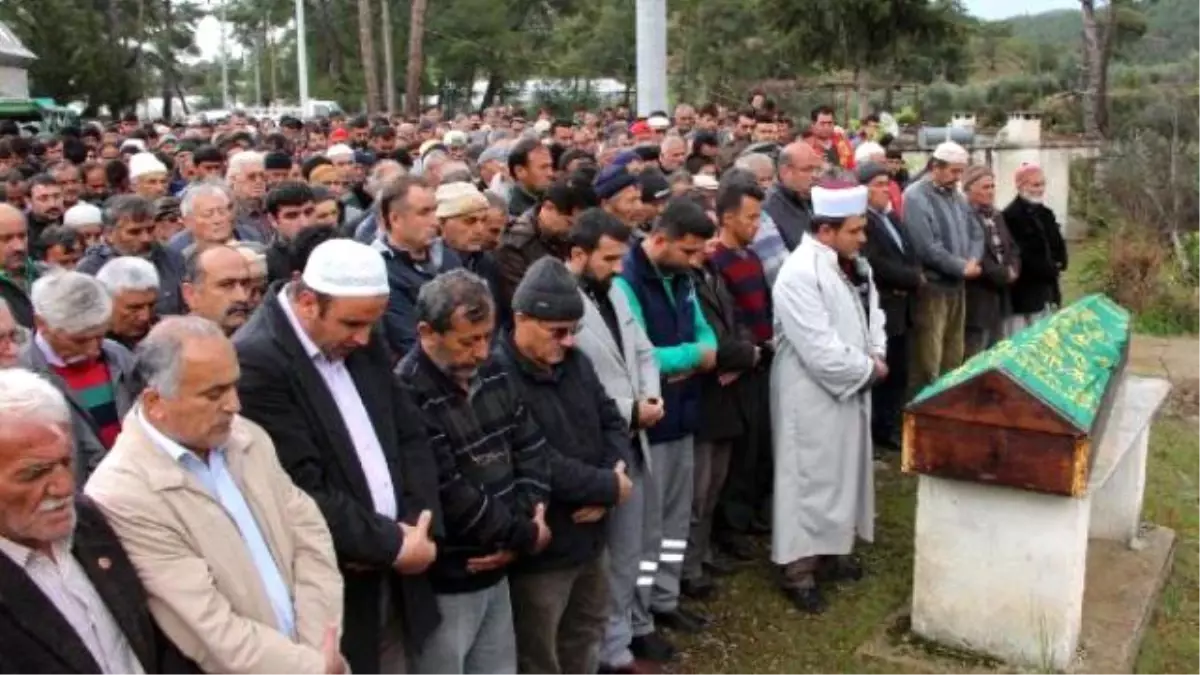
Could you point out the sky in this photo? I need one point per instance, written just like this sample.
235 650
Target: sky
208 31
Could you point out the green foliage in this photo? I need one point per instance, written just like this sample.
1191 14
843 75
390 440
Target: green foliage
1168 30
103 53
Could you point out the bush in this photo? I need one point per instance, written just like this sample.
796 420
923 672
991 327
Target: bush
1135 269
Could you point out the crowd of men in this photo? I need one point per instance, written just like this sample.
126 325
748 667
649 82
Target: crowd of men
465 395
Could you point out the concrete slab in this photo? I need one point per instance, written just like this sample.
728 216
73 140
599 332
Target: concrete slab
1121 594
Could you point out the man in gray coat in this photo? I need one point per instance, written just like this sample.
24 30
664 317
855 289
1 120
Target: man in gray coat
949 245
72 312
624 361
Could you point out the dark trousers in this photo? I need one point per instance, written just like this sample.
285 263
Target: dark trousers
559 616
748 485
888 396
712 465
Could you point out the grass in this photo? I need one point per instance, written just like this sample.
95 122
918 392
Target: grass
756 630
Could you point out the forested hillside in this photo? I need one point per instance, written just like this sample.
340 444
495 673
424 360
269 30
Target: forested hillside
1172 31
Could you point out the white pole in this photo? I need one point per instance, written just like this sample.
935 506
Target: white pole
302 57
258 53
651 56
224 62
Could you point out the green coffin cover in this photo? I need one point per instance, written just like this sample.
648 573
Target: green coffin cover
1065 360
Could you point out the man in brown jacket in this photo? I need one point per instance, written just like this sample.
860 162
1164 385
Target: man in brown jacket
237 561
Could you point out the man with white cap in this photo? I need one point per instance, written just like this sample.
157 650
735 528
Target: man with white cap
949 244
87 221
148 176
316 375
831 348
462 212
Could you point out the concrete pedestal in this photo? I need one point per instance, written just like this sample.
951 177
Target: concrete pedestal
1001 571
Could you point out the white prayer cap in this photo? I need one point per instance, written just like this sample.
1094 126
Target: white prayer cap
134 143
82 214
951 153
339 150
144 163
866 150
459 199
658 122
541 126
839 202
344 268
455 139
703 181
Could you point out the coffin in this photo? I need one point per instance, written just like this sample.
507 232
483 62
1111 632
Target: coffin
1028 412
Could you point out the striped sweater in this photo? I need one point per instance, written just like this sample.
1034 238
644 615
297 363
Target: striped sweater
91 383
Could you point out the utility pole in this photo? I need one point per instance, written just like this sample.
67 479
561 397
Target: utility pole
302 57
651 56
258 54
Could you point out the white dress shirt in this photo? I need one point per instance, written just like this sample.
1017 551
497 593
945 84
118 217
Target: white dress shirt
354 415
65 583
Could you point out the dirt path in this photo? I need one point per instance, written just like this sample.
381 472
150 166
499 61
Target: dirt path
1178 360
1175 358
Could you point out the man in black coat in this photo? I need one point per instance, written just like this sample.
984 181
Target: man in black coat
1036 233
70 600
317 377
725 400
898 275
560 597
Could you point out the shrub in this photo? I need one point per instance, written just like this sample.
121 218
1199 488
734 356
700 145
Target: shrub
1133 267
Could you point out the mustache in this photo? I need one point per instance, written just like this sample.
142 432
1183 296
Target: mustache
238 308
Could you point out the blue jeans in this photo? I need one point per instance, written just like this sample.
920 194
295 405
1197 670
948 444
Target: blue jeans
475 635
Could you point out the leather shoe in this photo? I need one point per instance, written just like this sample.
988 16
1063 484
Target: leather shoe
681 621
839 568
807 600
698 589
652 647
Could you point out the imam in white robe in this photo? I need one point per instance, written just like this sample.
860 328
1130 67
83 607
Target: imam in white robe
821 406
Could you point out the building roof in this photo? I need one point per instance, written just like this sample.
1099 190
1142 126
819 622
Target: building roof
1065 360
11 46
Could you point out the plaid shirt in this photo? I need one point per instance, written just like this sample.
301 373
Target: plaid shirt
493 466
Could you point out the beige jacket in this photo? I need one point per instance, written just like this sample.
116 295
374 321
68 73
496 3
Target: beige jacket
205 592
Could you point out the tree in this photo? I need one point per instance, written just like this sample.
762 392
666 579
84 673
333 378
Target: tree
1104 29
416 53
366 39
100 53
389 57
